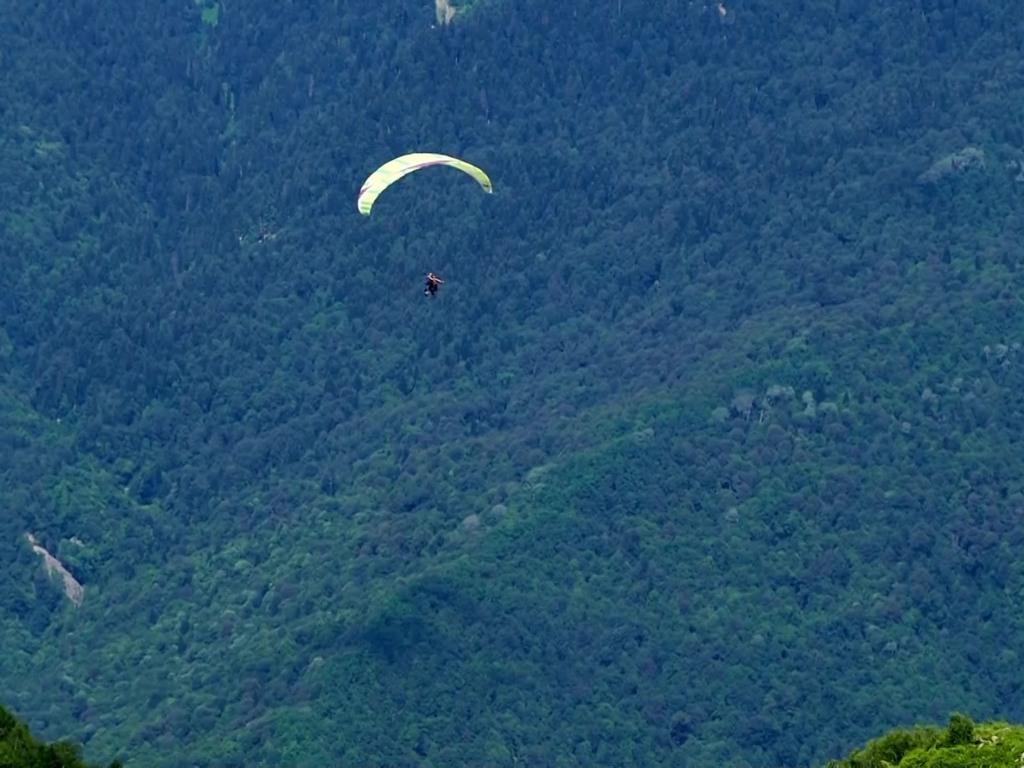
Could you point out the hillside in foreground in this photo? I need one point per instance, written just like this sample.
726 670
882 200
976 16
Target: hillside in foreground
19 749
963 744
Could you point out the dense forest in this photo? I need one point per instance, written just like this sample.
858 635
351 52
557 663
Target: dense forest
708 452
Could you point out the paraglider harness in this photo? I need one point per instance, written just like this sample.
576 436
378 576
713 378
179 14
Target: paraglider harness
432 284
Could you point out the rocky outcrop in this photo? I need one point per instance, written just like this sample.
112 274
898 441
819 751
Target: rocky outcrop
957 162
73 590
445 12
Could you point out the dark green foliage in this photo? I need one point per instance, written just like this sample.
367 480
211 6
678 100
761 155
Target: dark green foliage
18 749
708 452
960 731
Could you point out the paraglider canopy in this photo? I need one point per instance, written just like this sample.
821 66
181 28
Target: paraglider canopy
395 169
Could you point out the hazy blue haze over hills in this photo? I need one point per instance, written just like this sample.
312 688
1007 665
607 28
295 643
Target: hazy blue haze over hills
708 452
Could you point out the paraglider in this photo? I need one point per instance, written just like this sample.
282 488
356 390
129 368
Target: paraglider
433 283
393 170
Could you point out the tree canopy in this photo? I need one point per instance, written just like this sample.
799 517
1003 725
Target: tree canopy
708 452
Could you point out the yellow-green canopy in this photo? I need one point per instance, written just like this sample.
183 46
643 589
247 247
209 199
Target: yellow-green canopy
395 169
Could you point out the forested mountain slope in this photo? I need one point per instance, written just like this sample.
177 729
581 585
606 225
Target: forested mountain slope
707 452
